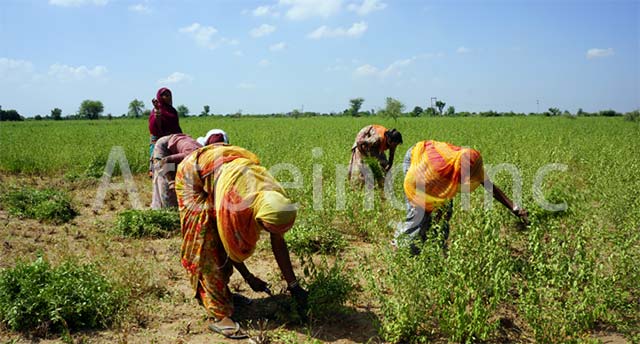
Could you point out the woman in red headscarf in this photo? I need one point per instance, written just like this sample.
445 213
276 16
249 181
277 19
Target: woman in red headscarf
162 121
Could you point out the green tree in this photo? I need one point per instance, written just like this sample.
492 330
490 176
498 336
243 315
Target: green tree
56 114
10 115
205 111
90 109
553 112
183 111
430 112
417 111
440 105
451 111
356 103
136 107
393 108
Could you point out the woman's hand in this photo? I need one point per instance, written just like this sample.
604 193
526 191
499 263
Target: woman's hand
257 284
522 214
302 299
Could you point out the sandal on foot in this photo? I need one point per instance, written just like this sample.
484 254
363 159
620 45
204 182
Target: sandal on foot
231 332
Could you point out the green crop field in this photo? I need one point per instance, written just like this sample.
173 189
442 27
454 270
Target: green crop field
571 276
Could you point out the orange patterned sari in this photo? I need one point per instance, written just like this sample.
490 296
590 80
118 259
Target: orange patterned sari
437 171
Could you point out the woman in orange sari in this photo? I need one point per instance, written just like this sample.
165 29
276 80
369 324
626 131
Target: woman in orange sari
372 141
434 174
225 200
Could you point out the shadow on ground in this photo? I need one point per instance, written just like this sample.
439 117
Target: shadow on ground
278 311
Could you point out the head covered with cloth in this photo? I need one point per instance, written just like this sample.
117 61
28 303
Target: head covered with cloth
435 172
213 136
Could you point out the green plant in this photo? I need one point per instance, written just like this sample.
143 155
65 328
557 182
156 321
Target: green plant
45 205
68 297
307 239
330 287
147 223
374 165
437 293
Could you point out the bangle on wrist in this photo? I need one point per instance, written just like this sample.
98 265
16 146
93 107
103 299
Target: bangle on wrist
293 285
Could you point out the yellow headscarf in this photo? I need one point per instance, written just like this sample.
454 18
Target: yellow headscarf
247 200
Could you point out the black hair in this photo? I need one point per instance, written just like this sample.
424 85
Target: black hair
394 136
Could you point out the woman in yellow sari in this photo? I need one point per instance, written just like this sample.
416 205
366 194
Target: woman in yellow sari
434 174
225 200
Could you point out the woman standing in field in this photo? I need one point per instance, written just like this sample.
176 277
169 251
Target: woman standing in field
225 200
434 172
163 120
169 151
372 141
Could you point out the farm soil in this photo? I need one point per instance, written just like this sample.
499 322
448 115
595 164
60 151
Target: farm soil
165 311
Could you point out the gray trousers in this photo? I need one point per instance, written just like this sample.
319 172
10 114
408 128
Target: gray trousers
418 221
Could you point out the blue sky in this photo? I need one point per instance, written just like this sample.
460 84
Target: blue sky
280 55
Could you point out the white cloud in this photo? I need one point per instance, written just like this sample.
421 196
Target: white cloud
598 53
262 11
394 69
246 86
304 9
175 78
356 30
140 8
264 63
463 50
238 53
203 35
278 46
75 3
366 7
366 70
70 73
15 70
262 30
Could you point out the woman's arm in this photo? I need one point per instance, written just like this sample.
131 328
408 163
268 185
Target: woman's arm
499 195
254 282
281 253
392 153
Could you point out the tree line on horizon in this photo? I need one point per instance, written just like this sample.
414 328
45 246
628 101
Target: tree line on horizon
93 109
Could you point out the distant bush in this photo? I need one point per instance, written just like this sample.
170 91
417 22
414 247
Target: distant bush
45 205
608 113
633 116
38 297
305 239
147 223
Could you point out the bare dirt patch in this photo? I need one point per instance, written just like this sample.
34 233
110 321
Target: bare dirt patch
162 307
